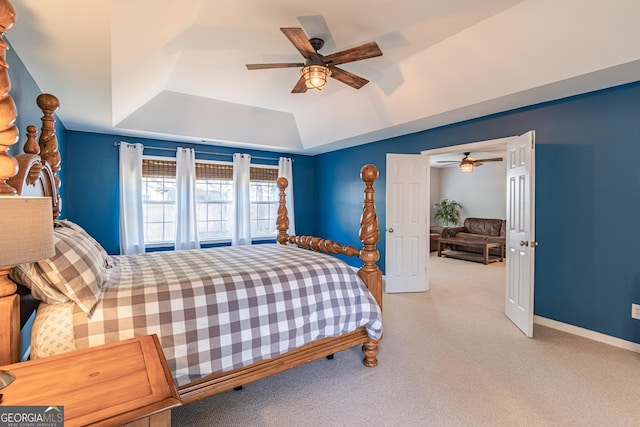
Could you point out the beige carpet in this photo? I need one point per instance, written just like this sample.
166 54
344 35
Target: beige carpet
449 357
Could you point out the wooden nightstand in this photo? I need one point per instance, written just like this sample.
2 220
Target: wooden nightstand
122 383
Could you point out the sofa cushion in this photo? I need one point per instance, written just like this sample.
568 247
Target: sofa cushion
485 226
437 229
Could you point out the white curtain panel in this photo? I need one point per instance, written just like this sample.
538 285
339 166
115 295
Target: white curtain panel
285 169
186 208
131 221
241 227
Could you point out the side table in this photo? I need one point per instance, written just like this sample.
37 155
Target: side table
121 383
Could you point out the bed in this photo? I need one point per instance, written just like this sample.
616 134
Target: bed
224 316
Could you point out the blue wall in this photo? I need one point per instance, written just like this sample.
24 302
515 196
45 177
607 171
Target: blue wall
24 92
587 270
92 194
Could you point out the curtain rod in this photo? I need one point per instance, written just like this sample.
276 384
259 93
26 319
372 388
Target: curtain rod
117 144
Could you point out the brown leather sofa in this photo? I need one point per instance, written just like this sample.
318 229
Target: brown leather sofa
436 232
479 229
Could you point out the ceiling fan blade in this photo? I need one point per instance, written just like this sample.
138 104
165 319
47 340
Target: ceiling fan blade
367 50
347 78
274 65
300 40
300 87
494 159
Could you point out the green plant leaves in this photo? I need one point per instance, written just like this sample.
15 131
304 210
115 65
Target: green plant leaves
448 211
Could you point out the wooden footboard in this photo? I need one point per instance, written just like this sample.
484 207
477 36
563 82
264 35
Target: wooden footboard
369 234
218 383
369 273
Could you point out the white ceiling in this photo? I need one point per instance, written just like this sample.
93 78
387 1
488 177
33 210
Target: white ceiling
175 69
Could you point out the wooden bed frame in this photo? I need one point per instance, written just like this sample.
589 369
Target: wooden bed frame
34 174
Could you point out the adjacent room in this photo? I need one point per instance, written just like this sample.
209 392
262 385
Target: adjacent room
459 191
463 187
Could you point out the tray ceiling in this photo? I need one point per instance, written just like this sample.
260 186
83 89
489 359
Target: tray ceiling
175 70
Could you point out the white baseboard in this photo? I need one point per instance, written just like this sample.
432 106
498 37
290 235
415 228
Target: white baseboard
586 333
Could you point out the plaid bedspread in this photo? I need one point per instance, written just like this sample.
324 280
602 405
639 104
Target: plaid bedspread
219 309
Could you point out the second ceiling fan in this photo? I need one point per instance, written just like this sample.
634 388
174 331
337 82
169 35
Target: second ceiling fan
468 163
318 67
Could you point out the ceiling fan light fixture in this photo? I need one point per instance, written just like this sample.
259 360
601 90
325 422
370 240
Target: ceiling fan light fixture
315 75
466 167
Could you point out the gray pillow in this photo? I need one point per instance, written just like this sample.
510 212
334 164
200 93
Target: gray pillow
73 226
77 270
30 276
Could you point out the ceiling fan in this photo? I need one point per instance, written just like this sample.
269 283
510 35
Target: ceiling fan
467 163
318 67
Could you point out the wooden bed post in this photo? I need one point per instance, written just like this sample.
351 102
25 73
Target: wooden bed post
369 272
282 222
49 144
369 235
9 300
8 130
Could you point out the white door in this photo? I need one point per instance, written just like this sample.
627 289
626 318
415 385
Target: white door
520 231
406 232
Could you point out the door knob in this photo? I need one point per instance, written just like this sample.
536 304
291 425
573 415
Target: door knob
391 230
524 243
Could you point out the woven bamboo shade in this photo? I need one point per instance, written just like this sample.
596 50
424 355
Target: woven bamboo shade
152 168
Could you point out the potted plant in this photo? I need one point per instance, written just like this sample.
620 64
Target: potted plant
448 212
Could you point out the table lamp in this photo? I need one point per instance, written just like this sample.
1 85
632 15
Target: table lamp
26 236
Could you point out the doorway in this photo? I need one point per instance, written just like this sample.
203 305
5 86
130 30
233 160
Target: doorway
519 214
491 148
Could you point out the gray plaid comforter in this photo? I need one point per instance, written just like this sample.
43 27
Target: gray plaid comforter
219 309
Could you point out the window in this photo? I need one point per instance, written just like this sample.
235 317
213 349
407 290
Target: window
214 186
263 193
159 200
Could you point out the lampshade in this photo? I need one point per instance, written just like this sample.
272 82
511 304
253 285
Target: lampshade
466 167
315 76
27 229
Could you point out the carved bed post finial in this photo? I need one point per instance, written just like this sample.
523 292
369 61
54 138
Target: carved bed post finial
31 146
282 223
49 142
8 130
